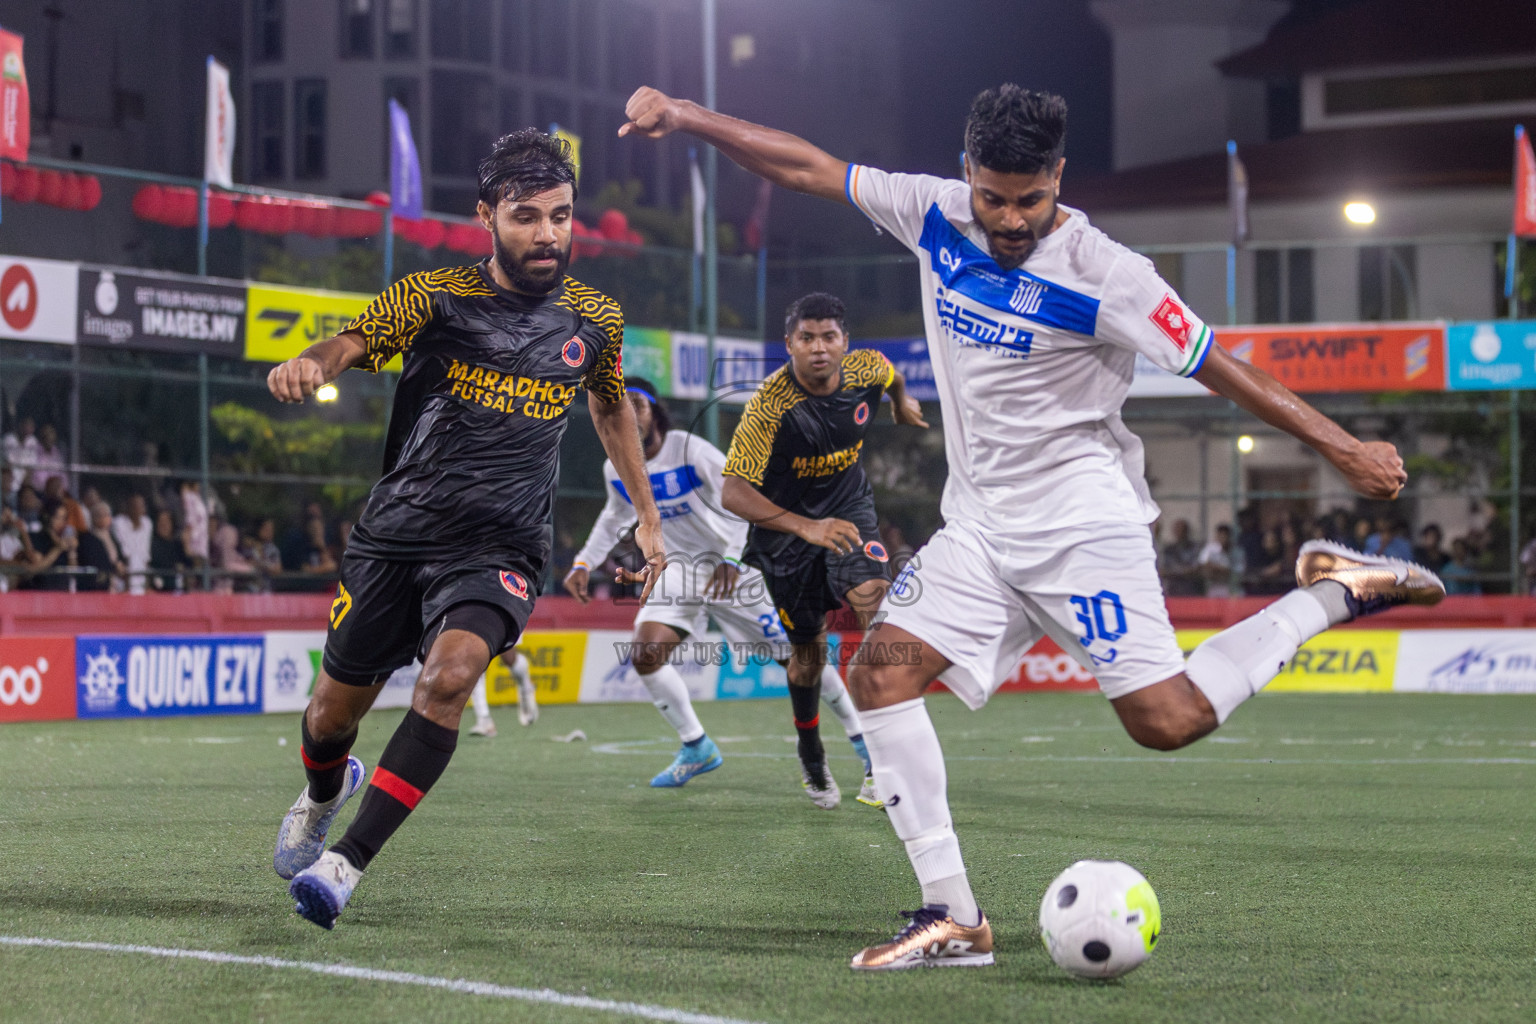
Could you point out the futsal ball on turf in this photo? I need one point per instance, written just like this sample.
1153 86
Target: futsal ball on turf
1100 919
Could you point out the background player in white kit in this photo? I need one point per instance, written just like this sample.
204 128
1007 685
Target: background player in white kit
527 700
704 577
1034 320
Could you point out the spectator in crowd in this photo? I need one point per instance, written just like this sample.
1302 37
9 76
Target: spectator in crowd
1458 574
1361 535
896 547
16 554
1528 565
29 508
318 559
7 487
1390 539
343 538
194 523
1250 539
226 556
50 458
20 451
98 550
1273 573
132 532
1182 576
1428 552
166 555
56 493
57 547
1216 563
264 554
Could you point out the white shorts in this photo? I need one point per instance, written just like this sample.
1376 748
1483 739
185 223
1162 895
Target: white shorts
983 600
747 618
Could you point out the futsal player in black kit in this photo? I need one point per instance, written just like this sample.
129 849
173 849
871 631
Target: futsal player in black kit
793 472
451 551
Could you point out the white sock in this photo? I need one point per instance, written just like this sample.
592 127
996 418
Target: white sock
1238 662
910 774
670 695
520 670
835 696
478 699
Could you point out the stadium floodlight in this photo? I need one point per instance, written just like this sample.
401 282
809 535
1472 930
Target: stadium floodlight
1360 213
1245 443
326 393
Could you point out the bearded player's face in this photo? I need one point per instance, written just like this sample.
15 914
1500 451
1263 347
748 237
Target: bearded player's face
531 238
1015 210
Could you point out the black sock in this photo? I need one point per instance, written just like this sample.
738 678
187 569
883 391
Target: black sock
805 702
325 761
414 759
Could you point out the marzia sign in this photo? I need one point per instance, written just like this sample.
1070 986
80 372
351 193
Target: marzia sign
135 676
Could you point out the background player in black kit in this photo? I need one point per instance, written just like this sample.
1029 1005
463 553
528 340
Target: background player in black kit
452 548
793 472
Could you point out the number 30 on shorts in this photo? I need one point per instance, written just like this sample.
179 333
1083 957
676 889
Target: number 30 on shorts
1102 617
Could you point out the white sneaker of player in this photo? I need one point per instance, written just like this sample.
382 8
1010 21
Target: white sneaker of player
820 786
322 890
483 727
869 795
301 836
527 703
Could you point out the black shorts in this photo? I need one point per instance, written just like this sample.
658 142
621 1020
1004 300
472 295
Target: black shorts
816 585
385 612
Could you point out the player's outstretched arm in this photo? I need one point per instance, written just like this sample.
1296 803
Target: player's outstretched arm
321 363
741 498
784 159
615 423
1372 468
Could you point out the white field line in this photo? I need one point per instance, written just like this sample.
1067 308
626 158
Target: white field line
474 988
644 747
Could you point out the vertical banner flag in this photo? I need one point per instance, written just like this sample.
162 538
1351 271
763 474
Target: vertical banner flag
219 145
404 165
575 143
696 180
1237 194
1525 185
15 107
756 232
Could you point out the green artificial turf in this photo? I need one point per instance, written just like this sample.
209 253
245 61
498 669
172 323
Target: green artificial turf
1322 858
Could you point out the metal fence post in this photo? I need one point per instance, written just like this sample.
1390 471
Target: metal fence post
202 445
1516 577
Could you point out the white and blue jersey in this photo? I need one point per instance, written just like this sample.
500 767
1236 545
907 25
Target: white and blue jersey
1032 365
686 478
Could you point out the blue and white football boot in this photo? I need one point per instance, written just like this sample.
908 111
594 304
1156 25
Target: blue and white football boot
301 836
692 759
321 891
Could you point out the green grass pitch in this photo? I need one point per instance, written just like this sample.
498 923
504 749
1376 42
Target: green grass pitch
1322 858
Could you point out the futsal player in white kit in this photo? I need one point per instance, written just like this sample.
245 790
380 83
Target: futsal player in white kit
1034 320
704 577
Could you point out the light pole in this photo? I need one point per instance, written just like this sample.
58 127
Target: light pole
711 240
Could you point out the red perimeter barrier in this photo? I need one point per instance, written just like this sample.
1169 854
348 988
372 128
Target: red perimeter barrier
32 613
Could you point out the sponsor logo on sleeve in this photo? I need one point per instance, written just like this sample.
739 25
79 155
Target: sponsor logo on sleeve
1173 320
874 549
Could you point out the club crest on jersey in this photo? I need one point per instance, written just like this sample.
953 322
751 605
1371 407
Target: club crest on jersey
861 414
1173 320
514 584
874 549
573 352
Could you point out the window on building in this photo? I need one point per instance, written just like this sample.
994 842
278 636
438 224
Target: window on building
631 51
407 93
1388 282
463 121
1470 88
399 28
589 29
549 31
514 31
309 128
461 29
1283 288
266 131
267 37
512 117
355 35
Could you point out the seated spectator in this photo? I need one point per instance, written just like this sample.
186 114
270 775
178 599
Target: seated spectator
194 523
1428 552
7 487
57 547
20 451
1528 565
29 508
1216 563
50 458
1390 539
98 550
1182 576
1361 536
132 533
317 558
225 555
1274 573
16 554
264 554
166 554
1458 573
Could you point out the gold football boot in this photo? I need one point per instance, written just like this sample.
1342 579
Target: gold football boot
1371 583
930 939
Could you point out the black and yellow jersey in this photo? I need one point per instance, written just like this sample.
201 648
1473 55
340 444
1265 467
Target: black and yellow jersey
473 452
802 450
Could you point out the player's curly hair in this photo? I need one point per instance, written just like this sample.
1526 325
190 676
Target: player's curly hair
523 164
1016 130
816 306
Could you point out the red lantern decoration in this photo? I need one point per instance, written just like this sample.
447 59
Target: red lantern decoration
247 213
221 210
27 184
282 216
613 225
147 202
51 187
377 198
71 199
469 239
635 239
181 207
7 178
367 223
431 233
90 192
